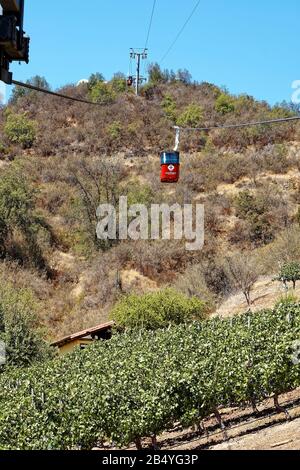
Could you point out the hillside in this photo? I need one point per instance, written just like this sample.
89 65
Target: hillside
60 159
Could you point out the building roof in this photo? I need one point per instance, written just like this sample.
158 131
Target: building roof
83 334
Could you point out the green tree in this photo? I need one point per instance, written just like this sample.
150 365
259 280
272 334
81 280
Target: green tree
289 272
224 104
102 93
156 75
18 217
95 78
184 76
192 116
19 327
118 83
169 107
157 310
19 129
36 81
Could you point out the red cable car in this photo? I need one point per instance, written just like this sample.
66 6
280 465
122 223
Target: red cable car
170 167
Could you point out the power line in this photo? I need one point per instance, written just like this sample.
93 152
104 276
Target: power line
53 93
181 31
239 126
191 129
150 24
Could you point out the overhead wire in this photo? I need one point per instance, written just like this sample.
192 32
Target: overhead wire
180 31
150 23
190 129
241 125
53 93
146 65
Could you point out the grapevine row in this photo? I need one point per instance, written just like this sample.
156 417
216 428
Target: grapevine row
139 384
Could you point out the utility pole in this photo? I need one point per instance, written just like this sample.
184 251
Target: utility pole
138 55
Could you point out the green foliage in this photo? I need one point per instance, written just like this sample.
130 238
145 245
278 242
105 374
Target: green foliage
18 216
118 83
37 81
225 104
254 210
170 108
95 78
279 112
192 116
247 205
286 301
157 310
18 323
184 76
139 385
290 272
114 129
138 193
243 103
156 75
102 93
20 130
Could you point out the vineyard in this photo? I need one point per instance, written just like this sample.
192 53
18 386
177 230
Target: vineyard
139 384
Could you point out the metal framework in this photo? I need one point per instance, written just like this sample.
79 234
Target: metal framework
138 55
14 45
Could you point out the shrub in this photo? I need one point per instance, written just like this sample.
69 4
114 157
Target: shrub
118 83
255 211
224 104
19 327
20 224
102 93
169 107
114 129
191 117
193 284
157 310
20 130
286 301
246 205
138 193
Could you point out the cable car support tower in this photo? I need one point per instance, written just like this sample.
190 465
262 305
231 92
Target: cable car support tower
138 55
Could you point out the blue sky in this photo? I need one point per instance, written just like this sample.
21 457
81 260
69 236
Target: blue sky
250 46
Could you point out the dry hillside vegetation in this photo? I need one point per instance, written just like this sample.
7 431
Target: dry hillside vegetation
60 159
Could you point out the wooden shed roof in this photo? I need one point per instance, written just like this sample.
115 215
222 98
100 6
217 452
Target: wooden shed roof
83 334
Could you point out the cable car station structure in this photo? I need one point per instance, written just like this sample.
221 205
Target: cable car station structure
14 44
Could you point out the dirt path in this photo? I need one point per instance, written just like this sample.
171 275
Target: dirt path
281 437
265 294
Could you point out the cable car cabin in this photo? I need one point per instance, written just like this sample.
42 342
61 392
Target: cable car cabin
170 167
130 81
